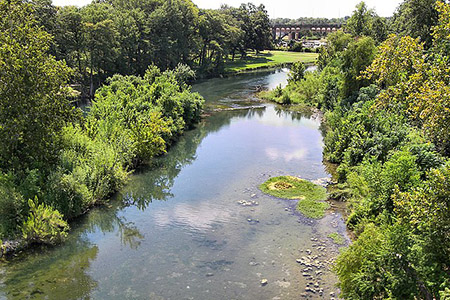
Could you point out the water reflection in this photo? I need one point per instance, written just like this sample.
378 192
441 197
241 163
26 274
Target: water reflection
178 230
63 272
64 276
156 184
239 91
198 217
274 154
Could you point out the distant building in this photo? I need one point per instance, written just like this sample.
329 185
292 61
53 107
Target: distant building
313 44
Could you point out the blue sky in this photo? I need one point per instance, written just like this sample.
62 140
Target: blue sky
291 8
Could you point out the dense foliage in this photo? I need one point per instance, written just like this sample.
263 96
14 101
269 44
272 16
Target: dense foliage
386 106
64 161
108 37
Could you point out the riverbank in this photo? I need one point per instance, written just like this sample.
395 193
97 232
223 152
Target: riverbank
266 60
121 131
185 221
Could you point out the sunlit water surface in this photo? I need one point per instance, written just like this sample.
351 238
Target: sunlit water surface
177 231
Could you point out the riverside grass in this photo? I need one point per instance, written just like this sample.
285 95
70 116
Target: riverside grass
310 195
268 59
337 238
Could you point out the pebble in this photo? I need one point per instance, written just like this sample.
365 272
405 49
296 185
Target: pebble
247 203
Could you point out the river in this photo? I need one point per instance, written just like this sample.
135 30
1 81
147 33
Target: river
178 231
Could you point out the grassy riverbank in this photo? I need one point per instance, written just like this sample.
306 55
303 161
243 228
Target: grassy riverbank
268 59
132 120
386 129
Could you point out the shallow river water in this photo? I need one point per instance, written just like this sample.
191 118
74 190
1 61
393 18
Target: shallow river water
177 231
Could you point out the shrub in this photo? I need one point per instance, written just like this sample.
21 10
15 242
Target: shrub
360 132
44 225
296 47
68 194
11 203
297 72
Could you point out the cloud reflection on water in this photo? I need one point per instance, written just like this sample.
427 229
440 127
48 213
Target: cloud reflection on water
274 154
201 216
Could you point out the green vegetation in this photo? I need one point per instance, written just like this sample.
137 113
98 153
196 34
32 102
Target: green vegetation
385 103
337 238
67 162
289 187
118 37
312 209
308 193
268 59
386 115
44 225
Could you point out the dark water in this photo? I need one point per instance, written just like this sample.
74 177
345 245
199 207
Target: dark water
177 231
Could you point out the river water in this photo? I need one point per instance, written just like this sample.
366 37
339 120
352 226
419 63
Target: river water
177 231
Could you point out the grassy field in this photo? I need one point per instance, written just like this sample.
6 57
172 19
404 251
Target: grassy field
268 59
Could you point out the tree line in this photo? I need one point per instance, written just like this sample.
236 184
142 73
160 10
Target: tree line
308 20
125 37
385 97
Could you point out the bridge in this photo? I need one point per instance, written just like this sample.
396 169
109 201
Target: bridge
293 32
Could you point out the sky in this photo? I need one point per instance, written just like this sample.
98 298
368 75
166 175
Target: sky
292 9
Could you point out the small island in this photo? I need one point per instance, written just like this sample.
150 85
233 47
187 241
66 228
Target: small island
311 196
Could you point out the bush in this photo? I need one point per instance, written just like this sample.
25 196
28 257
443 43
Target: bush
361 132
296 47
98 165
297 72
372 268
44 225
68 194
11 203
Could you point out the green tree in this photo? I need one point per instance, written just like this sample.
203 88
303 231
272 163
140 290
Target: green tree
425 210
33 105
415 18
355 59
255 24
360 22
101 43
297 72
336 43
70 39
173 33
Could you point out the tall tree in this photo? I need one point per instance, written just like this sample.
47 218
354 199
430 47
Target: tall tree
33 107
359 22
416 18
101 42
173 33
70 39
